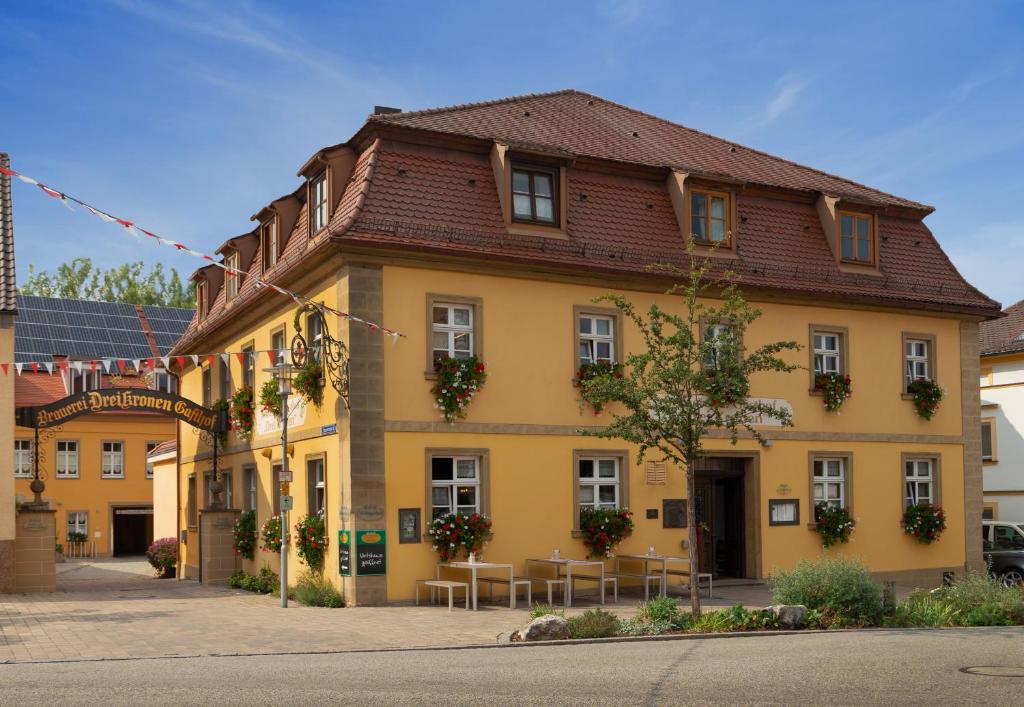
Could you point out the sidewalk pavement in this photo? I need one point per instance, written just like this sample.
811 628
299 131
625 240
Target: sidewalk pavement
110 609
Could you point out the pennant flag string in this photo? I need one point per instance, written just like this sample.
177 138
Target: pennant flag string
134 230
114 364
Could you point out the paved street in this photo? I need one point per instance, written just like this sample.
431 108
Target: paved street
116 609
877 667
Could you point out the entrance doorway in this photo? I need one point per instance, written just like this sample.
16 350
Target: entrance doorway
133 531
721 510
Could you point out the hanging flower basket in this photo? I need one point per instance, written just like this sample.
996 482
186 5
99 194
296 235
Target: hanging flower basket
245 535
270 398
604 528
927 396
590 371
243 412
309 383
924 522
835 389
271 534
311 541
833 524
458 380
458 533
723 388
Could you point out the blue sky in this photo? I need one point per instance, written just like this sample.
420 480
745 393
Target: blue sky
187 117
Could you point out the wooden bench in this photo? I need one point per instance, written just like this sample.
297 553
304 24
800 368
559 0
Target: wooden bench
436 584
516 582
647 579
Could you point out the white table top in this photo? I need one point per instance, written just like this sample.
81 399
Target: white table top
565 561
657 558
462 564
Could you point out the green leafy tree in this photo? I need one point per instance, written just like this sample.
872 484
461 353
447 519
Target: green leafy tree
130 283
691 376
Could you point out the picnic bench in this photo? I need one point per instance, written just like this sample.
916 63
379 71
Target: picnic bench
437 584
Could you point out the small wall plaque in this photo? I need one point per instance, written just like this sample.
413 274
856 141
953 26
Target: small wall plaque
783 489
652 514
408 525
784 511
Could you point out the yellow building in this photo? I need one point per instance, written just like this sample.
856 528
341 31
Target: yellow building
488 230
8 310
94 466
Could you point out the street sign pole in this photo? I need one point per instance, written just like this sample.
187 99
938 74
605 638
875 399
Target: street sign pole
280 491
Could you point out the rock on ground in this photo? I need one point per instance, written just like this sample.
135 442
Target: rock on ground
544 628
790 616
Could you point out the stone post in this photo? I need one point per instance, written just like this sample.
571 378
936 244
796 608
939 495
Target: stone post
216 545
35 557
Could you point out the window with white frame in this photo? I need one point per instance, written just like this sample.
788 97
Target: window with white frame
150 446
67 458
827 353
224 378
919 481
720 346
598 479
249 479
319 201
84 380
830 482
78 522
248 367
452 330
317 487
228 493
918 360
269 242
231 277
23 457
164 382
454 485
112 460
597 339
314 335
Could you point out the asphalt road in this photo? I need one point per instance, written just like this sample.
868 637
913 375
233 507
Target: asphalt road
876 667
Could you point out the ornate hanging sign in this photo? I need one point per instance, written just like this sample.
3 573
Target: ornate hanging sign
122 400
321 349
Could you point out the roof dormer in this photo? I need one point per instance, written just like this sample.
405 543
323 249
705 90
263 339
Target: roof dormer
705 209
277 220
208 281
851 230
326 174
238 254
532 189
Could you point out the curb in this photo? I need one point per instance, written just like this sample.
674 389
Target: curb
523 644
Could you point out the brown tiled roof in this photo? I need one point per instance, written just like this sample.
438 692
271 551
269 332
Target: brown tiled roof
32 389
1006 334
8 280
586 125
170 445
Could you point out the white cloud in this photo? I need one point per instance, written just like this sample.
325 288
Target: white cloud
788 90
992 259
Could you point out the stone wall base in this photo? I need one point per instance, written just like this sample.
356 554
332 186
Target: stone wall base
217 541
922 579
6 566
35 557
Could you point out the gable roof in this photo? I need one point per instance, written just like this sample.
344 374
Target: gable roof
84 329
8 279
586 125
1006 334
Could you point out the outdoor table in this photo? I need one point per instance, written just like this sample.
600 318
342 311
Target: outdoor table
568 564
663 559
473 567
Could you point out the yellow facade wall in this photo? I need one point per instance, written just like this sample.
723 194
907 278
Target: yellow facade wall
90 491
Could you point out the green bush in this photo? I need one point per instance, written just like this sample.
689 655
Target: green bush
711 622
541 609
840 589
266 582
313 589
735 618
658 610
594 623
636 627
980 595
988 614
921 609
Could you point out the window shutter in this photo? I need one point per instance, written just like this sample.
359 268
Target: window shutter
656 472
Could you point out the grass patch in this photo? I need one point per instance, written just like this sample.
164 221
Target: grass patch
541 609
313 589
594 623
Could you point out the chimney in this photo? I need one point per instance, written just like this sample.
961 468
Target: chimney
8 288
385 110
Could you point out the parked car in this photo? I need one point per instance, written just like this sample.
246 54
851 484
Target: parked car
1004 549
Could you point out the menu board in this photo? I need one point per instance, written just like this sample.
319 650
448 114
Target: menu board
371 552
344 553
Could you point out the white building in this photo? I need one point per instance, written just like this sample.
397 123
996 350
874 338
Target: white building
1002 414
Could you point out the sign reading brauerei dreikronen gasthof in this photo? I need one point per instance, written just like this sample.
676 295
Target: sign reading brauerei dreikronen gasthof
120 400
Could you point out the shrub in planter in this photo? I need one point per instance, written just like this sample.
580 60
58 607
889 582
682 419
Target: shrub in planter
245 534
243 412
75 537
833 524
163 555
604 528
590 371
309 382
457 533
313 589
458 380
311 541
924 522
594 623
839 589
927 396
834 388
270 398
271 534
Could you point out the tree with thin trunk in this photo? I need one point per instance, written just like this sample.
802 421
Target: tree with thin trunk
692 376
129 282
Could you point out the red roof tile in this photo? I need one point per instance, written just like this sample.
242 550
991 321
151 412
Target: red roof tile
31 389
1006 334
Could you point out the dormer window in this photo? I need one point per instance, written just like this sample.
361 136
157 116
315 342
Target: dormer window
232 278
709 216
856 237
318 202
269 243
534 195
201 308
83 380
